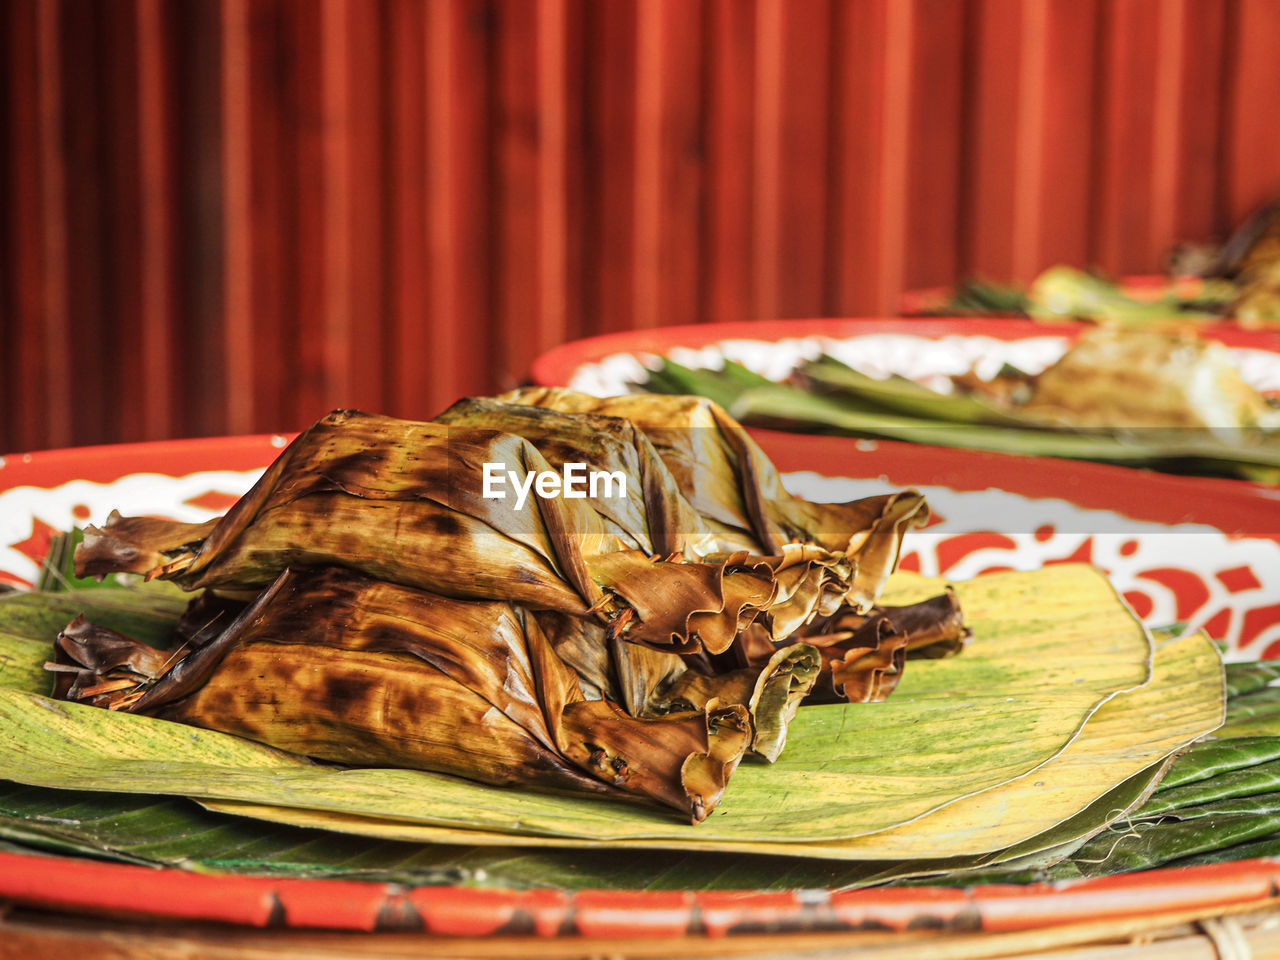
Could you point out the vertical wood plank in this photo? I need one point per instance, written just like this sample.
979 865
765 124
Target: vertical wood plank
1027 200
237 344
336 211
517 293
934 110
10 322
1166 122
1123 214
992 143
572 74
366 189
158 315
444 235
553 90
36 371
1030 123
1203 61
1059 231
269 202
648 189
529 186
308 166
54 365
458 214
669 164
858 119
767 187
609 143
792 156
409 340
682 164
199 249
1187 90
729 133
894 133
85 221
1253 135
119 308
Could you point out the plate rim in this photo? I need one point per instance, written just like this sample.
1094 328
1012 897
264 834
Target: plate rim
555 367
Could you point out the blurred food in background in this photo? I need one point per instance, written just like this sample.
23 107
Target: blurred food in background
1149 398
1237 280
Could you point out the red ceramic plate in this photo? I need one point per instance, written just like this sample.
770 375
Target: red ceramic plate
47 491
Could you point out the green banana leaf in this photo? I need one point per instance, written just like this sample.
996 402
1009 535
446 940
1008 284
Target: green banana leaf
731 380
173 832
840 400
1213 757
1257 779
1041 808
1243 678
1051 647
170 831
22 663
782 405
165 831
1250 720
1267 846
1147 844
1063 292
145 612
895 394
1256 703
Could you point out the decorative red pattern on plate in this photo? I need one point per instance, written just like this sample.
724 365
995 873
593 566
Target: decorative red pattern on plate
1257 620
1190 589
952 550
1237 579
36 546
1219 625
215 501
1140 602
1081 554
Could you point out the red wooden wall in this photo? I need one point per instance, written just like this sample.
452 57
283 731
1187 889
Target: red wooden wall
231 217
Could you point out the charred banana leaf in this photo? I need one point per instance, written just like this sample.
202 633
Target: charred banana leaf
335 665
405 502
730 481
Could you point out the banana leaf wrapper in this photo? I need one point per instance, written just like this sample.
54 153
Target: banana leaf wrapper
732 483
338 666
863 654
401 501
354 483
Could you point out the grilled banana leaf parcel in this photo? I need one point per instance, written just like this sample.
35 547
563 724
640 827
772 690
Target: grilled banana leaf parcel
336 665
367 603
406 502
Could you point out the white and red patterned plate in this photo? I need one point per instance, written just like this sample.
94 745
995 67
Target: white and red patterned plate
1203 551
1200 551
